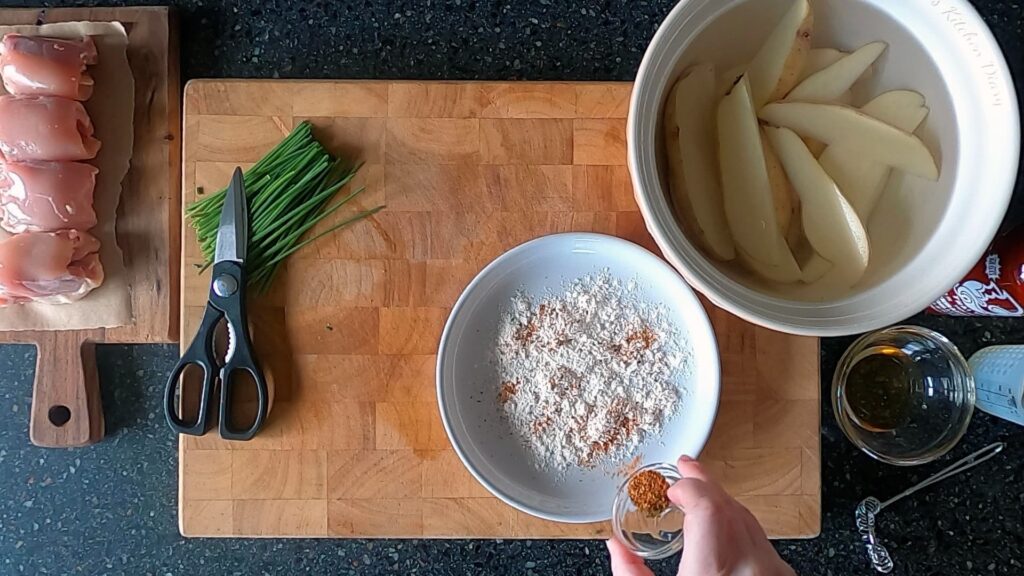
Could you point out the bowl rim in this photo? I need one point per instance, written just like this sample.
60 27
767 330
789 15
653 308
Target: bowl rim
699 325
749 304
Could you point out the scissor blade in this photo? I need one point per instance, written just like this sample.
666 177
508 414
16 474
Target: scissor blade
233 233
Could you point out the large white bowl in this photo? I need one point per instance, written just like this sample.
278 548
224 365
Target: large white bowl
467 382
925 236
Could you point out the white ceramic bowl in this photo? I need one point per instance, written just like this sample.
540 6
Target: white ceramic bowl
925 236
467 383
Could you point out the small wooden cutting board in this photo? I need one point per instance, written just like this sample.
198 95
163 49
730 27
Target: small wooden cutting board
66 407
354 446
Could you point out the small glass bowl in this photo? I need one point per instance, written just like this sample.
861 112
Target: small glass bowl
918 402
648 537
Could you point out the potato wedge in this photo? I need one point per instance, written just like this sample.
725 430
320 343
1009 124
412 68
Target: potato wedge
746 188
818 59
862 179
777 66
695 103
787 204
892 107
817 147
814 269
729 79
786 272
832 227
829 84
859 133
677 181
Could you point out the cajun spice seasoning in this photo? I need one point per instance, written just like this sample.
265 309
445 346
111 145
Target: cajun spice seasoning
649 492
508 390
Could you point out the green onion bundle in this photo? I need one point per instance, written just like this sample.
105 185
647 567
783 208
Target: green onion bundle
288 193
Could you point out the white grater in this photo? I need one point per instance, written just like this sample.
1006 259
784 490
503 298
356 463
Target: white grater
999 380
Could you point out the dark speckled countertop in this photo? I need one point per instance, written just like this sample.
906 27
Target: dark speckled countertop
110 508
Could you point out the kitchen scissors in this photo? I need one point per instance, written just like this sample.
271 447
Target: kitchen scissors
226 304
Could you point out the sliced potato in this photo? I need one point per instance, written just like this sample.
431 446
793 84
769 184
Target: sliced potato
829 84
814 269
787 204
677 181
859 133
777 65
892 106
786 272
746 188
818 59
862 179
830 223
728 80
695 104
817 147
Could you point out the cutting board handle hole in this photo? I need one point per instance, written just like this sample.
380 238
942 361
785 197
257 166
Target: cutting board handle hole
59 415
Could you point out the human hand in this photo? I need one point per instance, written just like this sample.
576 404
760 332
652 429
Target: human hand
722 537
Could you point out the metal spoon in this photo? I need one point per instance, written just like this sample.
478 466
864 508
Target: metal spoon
870 507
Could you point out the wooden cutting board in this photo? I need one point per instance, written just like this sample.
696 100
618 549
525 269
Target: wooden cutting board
66 409
354 446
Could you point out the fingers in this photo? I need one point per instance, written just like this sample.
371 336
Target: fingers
721 534
624 562
690 494
690 468
696 489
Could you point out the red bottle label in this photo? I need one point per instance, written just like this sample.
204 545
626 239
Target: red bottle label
991 289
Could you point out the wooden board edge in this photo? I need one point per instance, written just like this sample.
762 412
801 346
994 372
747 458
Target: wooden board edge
181 501
174 189
167 330
183 180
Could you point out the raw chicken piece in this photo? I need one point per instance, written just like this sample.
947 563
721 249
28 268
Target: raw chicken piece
45 128
37 66
49 267
46 196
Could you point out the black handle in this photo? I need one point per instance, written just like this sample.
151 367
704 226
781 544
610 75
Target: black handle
199 353
228 275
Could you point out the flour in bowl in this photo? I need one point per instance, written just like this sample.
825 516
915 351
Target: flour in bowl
588 375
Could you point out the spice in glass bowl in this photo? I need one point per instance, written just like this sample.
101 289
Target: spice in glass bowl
649 492
643 518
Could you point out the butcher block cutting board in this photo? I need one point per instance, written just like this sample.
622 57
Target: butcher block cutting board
354 446
66 408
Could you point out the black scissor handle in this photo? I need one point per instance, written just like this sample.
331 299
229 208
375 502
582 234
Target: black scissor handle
241 358
199 353
229 375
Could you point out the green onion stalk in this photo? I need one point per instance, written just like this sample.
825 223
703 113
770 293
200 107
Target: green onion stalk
289 191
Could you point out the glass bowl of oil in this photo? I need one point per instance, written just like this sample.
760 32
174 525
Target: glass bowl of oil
904 395
648 534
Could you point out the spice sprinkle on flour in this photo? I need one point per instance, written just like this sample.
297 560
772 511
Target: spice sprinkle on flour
586 376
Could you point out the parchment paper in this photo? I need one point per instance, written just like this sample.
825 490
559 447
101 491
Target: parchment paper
111 108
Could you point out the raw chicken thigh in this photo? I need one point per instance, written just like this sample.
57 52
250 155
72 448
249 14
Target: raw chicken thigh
45 128
46 196
49 267
36 66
